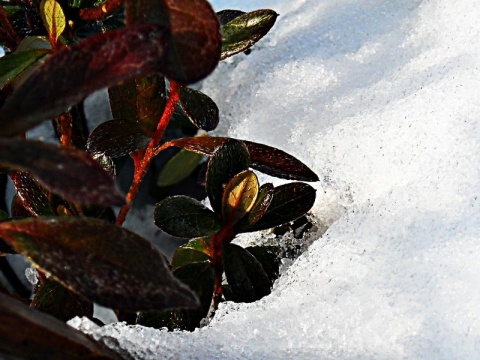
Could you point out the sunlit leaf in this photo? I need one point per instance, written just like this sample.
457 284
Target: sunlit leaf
103 262
245 30
55 299
239 196
53 18
32 195
264 158
227 161
178 167
116 138
290 201
68 172
142 99
100 61
197 250
245 275
27 333
264 198
185 217
200 109
13 64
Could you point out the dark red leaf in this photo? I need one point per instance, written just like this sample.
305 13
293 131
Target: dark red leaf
103 262
73 73
200 109
71 173
32 195
26 333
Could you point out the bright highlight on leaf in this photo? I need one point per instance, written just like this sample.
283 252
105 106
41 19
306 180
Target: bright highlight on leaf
239 196
53 18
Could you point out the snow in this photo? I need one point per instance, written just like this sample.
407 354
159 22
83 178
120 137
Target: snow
381 99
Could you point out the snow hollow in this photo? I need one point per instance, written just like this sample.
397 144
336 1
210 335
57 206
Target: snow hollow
382 100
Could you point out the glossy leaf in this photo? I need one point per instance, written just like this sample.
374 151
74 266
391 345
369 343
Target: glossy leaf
225 16
13 64
200 109
245 30
103 262
116 138
290 201
34 198
142 99
55 299
185 217
100 61
239 196
68 172
28 333
53 18
227 161
199 277
178 167
194 251
245 275
264 198
264 158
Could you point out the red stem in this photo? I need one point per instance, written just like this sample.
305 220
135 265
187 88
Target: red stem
13 38
101 12
143 159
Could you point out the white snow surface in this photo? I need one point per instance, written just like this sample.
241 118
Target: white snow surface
382 100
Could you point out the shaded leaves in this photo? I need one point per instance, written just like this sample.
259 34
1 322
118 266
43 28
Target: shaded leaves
200 109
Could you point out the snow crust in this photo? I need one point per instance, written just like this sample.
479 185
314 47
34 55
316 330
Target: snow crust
382 100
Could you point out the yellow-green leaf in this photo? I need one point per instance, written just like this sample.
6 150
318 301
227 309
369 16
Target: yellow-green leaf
53 18
239 196
179 167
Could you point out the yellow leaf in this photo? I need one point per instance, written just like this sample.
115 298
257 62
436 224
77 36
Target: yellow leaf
239 196
53 18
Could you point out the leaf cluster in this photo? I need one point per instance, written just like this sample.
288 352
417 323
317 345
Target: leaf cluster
147 53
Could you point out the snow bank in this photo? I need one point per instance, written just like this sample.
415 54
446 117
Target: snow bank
382 100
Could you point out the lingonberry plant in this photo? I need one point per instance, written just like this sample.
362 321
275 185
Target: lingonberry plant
61 217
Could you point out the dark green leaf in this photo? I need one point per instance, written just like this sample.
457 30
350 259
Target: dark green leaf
239 196
194 251
55 299
227 161
269 257
264 158
103 262
68 172
245 275
100 61
225 16
32 195
116 138
142 100
14 64
30 334
194 43
264 198
178 167
245 30
290 201
3 215
200 109
185 217
199 277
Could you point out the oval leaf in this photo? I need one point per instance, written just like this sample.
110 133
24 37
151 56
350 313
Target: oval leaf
27 333
68 172
245 30
13 64
227 161
53 18
239 196
264 158
200 109
185 217
55 299
178 167
264 198
197 250
116 138
103 262
290 201
225 16
100 61
245 275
